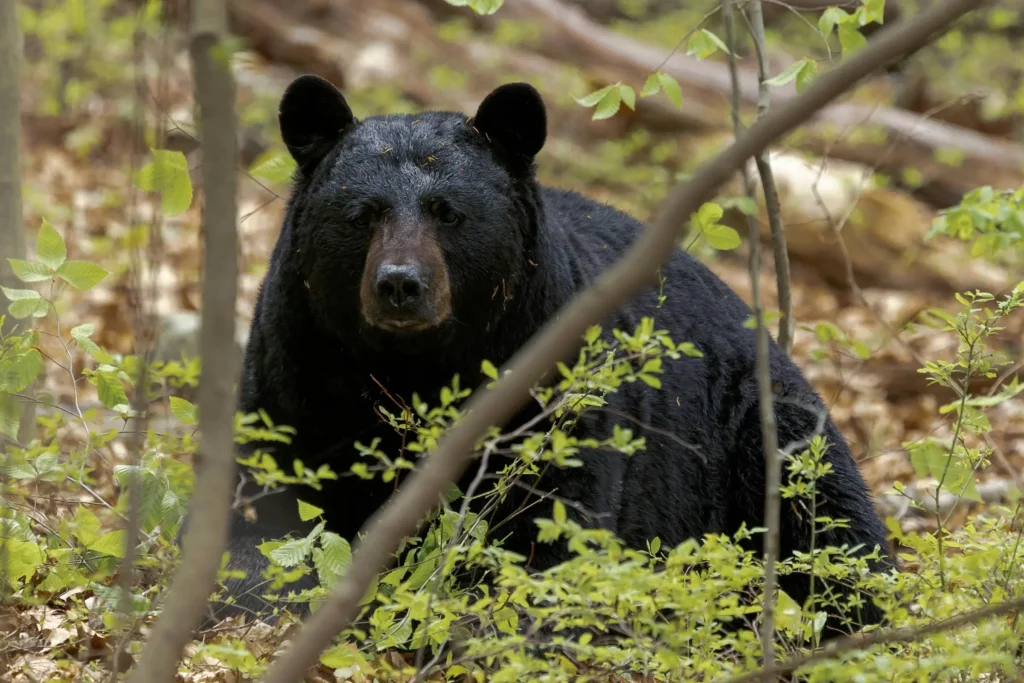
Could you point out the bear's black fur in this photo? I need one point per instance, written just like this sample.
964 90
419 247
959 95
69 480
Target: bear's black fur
448 208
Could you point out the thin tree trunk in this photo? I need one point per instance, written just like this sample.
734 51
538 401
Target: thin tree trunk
769 435
210 510
12 231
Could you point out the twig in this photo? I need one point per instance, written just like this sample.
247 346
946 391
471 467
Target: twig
769 436
773 207
204 543
559 337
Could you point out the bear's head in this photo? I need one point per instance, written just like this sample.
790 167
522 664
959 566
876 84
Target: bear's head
412 228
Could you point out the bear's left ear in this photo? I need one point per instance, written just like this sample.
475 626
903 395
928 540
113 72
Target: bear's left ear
513 116
313 115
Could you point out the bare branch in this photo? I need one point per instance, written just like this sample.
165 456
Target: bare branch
204 542
772 205
634 271
769 436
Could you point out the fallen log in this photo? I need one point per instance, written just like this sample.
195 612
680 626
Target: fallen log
840 221
900 139
354 43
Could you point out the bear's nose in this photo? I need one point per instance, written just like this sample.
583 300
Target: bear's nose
400 288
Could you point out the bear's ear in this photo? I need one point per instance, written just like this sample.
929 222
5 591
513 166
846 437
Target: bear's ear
313 115
513 116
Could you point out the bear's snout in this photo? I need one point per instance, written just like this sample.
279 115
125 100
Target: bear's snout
405 284
400 289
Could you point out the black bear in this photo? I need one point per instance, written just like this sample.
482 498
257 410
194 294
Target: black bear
414 247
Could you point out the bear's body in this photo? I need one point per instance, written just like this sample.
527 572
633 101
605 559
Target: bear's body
496 256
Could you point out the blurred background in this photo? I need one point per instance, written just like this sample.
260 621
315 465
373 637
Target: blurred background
861 186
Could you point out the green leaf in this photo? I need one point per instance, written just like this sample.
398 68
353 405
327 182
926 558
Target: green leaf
110 390
421 574
451 493
506 620
672 90
21 371
558 512
609 105
650 380
308 512
802 72
29 271
807 75
10 414
273 166
486 7
22 559
718 236
487 367
336 555
787 75
850 38
830 18
111 543
291 553
651 86
721 237
28 308
167 174
50 249
704 43
20 294
177 196
483 7
25 303
81 334
861 350
184 411
709 213
87 526
346 656
82 275
628 96
594 97
873 11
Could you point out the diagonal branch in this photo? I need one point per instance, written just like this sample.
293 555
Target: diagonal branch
888 636
633 272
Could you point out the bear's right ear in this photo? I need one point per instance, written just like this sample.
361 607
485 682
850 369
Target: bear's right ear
513 116
313 115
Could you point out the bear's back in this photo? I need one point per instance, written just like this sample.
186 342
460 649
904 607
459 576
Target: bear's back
588 237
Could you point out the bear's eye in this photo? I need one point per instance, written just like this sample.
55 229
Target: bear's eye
446 214
362 220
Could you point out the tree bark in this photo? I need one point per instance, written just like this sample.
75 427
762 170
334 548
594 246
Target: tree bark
12 231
